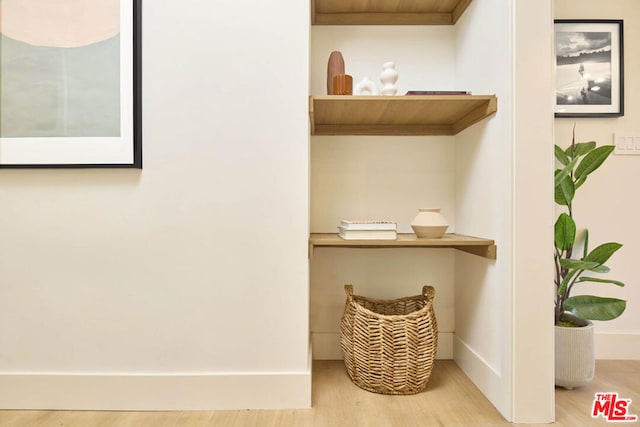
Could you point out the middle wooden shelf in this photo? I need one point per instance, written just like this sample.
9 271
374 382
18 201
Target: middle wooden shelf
474 245
398 115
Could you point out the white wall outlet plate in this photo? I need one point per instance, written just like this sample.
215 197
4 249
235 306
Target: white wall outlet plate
627 143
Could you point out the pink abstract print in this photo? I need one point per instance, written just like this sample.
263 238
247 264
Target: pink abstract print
60 68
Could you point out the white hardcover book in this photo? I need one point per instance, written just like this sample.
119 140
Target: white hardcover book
367 225
367 234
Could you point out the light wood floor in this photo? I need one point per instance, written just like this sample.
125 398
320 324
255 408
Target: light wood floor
449 400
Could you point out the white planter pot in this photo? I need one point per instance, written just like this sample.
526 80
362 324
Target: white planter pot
574 354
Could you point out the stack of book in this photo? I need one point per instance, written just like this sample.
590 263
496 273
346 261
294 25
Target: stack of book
367 230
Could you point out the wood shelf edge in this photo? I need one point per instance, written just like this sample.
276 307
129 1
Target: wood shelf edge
459 10
412 12
489 251
313 12
485 248
487 107
312 118
384 130
381 18
412 98
477 115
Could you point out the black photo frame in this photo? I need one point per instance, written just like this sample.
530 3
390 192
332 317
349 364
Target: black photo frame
589 68
71 99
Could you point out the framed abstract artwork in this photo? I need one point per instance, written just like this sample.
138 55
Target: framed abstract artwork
70 84
589 68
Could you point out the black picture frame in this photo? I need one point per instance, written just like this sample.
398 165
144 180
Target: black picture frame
589 68
120 149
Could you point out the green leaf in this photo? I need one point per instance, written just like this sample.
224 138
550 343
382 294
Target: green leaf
601 269
561 155
565 232
566 280
580 149
603 252
598 280
579 182
577 264
592 161
586 244
564 192
565 172
595 308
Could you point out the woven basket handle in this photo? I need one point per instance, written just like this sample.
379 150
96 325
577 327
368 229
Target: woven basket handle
429 292
348 289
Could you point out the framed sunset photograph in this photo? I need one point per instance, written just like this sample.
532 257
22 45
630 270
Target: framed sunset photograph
589 68
70 83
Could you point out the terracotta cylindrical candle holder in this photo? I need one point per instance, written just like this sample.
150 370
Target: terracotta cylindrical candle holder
342 84
334 67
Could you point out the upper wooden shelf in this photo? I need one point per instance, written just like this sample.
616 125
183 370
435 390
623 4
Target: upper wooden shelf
398 115
387 12
474 245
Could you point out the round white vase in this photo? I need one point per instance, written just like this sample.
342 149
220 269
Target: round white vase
429 223
389 77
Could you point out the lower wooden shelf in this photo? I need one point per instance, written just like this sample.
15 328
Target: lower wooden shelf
474 245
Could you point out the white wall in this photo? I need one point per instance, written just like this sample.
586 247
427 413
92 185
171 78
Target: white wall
192 271
484 200
504 312
607 204
533 395
484 204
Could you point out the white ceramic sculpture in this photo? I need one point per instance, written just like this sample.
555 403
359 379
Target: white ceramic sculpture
365 87
429 223
389 77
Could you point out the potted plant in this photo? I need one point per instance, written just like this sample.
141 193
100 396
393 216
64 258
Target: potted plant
575 356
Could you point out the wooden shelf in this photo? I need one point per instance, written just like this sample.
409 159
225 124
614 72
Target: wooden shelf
387 12
398 115
474 245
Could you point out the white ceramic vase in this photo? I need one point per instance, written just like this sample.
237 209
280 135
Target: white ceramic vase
574 354
429 223
365 87
389 77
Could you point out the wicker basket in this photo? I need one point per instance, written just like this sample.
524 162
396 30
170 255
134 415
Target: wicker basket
389 346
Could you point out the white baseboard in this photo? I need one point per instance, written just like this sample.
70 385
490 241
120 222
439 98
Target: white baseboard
483 375
617 346
326 345
157 392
